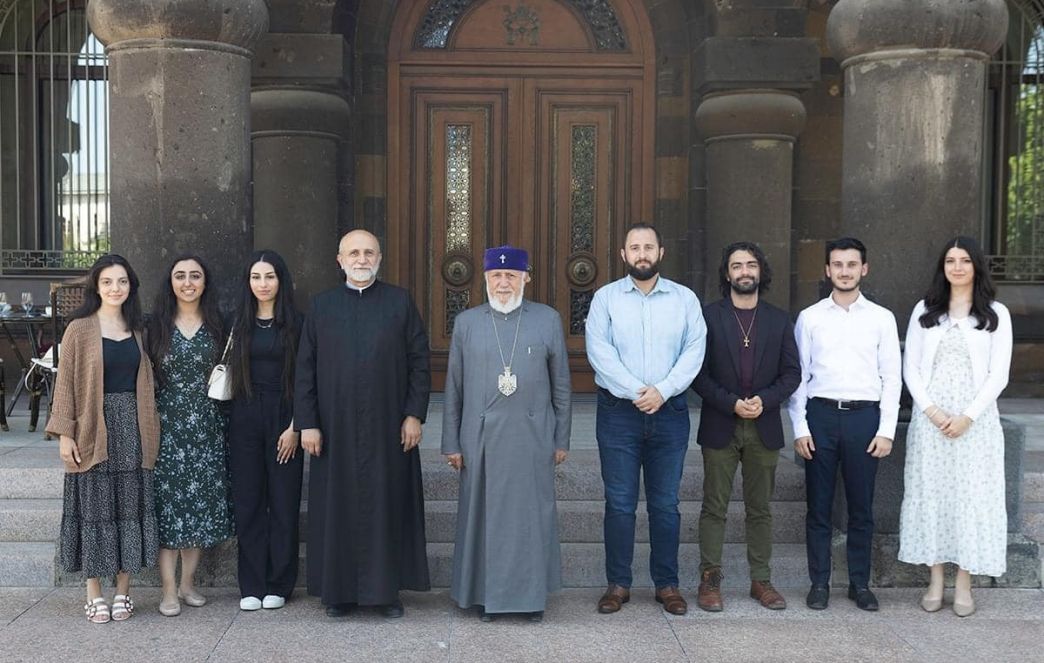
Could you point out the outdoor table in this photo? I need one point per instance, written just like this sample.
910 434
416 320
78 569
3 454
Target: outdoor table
32 326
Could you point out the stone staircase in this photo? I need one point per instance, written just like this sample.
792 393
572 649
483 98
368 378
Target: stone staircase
30 512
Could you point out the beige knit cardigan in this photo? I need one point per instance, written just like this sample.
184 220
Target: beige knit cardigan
79 393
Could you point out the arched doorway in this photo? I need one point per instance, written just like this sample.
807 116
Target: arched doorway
528 122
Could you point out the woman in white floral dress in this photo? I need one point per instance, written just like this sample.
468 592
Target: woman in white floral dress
958 352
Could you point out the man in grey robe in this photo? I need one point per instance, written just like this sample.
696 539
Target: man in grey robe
505 427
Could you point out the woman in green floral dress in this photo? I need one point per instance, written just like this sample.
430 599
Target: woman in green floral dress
193 502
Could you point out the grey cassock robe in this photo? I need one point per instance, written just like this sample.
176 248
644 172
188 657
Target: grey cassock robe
507 555
362 367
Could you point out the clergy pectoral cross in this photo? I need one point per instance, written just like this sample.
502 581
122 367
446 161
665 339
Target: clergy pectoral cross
746 342
507 383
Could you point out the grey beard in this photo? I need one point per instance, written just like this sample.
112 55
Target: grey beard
352 273
510 306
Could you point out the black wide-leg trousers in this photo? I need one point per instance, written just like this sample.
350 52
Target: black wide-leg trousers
266 496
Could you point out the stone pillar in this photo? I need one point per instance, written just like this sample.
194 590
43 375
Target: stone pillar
297 135
749 139
913 131
179 86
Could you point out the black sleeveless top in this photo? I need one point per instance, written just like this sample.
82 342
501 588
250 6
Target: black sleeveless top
120 360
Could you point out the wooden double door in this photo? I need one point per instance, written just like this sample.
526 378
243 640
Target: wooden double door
552 159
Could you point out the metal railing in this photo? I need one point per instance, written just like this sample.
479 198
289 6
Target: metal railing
54 136
30 261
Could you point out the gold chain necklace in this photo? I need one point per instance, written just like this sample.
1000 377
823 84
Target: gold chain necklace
750 328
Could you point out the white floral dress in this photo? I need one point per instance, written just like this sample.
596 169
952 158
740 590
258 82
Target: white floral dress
953 507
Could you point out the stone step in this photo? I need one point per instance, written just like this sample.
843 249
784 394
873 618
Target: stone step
583 565
579 521
27 564
23 520
579 478
1033 486
38 473
1033 521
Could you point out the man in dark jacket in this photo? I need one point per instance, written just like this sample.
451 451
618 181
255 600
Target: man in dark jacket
751 368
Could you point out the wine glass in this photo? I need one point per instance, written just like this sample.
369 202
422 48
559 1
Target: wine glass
27 303
4 307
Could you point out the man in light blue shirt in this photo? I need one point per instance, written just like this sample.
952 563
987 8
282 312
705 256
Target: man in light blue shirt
645 339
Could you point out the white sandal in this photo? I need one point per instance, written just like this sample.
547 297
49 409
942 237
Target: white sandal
122 608
97 611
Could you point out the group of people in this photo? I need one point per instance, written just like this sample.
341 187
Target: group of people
153 474
156 471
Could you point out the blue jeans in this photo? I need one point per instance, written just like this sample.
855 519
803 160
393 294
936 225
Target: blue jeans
630 441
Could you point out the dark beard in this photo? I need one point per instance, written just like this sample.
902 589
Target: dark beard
643 274
747 289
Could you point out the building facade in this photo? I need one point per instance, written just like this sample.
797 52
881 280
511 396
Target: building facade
445 126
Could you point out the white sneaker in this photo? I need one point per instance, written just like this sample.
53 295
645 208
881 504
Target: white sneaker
249 603
272 602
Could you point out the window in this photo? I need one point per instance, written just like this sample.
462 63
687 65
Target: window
1015 140
54 141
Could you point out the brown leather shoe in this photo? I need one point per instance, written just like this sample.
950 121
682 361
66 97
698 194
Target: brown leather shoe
708 597
767 595
613 599
672 600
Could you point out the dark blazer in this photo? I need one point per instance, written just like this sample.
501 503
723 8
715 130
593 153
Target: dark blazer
777 373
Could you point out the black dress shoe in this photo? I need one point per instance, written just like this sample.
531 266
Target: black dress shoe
536 617
339 609
393 610
484 616
818 597
863 597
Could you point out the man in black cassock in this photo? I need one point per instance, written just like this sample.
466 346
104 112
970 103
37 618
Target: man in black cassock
361 395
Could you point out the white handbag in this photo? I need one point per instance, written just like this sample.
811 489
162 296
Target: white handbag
219 384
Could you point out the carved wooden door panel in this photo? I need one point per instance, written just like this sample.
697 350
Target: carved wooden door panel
513 123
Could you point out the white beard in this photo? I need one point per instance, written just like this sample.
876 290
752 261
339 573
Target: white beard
511 304
362 275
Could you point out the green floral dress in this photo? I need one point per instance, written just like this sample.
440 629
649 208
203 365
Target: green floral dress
193 500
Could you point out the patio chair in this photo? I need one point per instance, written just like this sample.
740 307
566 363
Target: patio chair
66 297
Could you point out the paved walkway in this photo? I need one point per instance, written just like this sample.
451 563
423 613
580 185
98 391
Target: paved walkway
45 625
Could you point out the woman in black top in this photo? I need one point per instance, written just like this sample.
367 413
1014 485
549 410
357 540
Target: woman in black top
265 462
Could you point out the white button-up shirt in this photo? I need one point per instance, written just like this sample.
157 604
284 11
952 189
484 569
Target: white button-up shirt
990 357
634 339
848 355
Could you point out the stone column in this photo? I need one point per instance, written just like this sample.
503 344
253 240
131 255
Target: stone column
913 131
179 90
296 136
749 138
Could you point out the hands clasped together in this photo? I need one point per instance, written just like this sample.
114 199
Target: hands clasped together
952 426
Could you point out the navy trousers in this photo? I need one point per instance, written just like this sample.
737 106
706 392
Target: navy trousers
266 496
841 438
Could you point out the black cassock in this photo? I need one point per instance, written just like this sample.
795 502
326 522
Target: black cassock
362 367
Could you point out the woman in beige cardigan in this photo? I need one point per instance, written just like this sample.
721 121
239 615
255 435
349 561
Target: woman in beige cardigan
104 414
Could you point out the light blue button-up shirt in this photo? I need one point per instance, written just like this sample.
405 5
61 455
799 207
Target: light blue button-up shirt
634 339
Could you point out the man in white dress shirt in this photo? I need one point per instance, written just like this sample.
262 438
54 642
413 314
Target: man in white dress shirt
844 414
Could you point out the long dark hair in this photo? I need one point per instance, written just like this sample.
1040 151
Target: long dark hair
131 307
765 276
937 299
165 308
286 320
